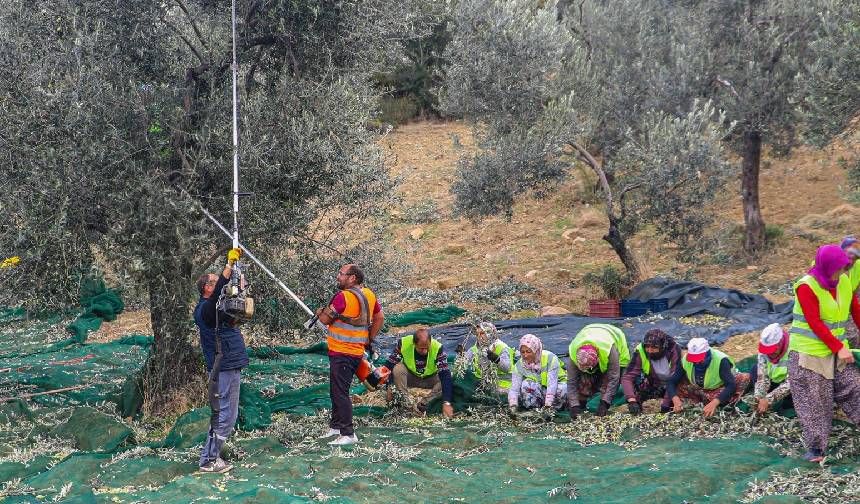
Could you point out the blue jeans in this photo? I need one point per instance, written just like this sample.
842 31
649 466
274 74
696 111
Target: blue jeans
228 411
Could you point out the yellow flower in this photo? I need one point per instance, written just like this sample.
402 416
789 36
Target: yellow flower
10 261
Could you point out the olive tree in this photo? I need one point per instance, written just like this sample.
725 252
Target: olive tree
117 129
830 85
764 58
603 88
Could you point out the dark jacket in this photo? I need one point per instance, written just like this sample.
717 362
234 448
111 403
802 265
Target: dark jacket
232 344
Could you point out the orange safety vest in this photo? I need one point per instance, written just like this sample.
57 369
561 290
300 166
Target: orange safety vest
349 333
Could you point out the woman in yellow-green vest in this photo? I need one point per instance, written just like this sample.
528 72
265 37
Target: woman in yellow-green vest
652 363
491 354
820 363
535 380
597 355
706 376
771 372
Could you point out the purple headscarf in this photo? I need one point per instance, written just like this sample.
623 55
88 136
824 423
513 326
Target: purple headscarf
828 260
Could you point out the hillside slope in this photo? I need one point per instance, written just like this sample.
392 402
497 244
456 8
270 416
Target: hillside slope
552 242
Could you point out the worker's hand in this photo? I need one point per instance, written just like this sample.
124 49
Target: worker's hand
233 255
602 409
677 405
512 412
634 408
492 356
763 405
447 410
575 411
461 349
711 407
845 355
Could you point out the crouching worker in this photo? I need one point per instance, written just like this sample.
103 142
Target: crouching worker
419 361
771 372
706 376
535 379
597 354
224 354
491 353
652 363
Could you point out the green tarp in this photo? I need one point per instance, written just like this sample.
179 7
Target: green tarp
75 446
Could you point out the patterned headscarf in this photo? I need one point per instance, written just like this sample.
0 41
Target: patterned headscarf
587 357
490 332
533 342
656 337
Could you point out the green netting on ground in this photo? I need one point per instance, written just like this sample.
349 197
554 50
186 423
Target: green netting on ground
76 447
425 316
99 304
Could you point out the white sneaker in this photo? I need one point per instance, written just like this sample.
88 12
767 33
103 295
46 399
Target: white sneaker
219 466
344 440
331 433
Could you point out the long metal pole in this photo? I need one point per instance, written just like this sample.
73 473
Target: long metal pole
263 267
235 136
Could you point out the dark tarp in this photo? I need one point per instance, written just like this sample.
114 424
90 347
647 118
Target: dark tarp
743 313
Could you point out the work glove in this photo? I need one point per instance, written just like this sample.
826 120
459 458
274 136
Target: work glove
575 411
233 255
461 349
512 412
603 409
634 408
492 356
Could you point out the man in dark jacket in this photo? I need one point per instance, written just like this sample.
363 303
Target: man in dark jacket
224 372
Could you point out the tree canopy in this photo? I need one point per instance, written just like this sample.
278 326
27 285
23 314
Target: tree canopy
118 129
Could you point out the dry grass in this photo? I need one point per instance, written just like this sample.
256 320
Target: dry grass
129 322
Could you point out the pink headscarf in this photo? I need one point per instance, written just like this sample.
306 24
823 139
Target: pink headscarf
586 357
533 342
828 260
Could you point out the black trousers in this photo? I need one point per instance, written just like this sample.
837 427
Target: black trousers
341 370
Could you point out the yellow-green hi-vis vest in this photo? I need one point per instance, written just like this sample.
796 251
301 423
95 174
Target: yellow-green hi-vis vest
834 313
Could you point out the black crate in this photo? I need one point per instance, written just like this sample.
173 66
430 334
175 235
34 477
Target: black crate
634 308
659 304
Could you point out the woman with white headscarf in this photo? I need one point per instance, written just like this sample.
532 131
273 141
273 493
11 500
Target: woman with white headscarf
534 382
771 372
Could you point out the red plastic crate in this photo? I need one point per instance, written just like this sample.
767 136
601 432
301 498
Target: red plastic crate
604 308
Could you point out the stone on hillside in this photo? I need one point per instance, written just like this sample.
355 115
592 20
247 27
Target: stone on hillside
554 310
590 218
454 249
531 274
416 233
568 233
446 283
579 239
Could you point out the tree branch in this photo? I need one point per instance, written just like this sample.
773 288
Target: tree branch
601 175
193 24
185 39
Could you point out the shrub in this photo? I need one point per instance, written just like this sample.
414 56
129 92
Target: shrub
609 280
